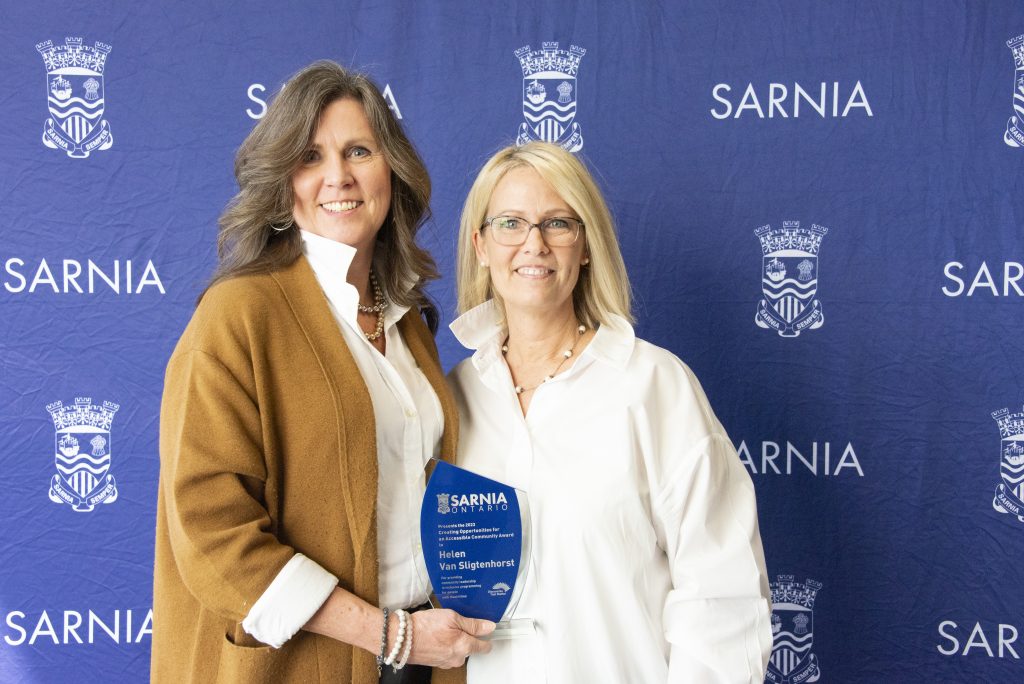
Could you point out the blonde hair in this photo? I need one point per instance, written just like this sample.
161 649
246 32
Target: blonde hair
257 232
603 287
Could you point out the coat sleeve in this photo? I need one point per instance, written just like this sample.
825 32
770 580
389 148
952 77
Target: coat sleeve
213 476
717 614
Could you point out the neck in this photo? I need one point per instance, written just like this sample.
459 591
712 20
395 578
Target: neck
541 335
359 275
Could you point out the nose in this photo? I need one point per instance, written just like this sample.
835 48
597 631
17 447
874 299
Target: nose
338 172
534 243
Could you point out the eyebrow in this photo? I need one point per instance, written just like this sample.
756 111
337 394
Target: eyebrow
355 141
564 212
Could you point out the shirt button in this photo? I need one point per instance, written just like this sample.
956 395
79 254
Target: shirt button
409 413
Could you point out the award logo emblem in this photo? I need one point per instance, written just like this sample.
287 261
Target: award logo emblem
1014 135
549 95
1009 497
474 549
789 278
791 661
82 454
75 97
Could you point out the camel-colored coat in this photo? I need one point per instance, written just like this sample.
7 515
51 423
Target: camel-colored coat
267 448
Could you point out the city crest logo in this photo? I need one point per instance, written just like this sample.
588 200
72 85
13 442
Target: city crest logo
442 504
75 97
82 454
1014 135
549 95
1009 497
791 661
789 278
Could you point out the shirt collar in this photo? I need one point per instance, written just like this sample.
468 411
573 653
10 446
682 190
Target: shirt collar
330 261
482 330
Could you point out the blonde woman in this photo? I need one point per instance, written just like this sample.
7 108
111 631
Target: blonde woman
647 562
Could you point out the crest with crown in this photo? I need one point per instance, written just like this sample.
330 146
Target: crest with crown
787 590
791 237
1010 424
83 413
550 59
1009 494
73 54
1016 46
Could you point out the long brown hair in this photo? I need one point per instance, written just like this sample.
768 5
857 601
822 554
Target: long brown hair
257 232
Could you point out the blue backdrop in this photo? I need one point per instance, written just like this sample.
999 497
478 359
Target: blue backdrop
820 207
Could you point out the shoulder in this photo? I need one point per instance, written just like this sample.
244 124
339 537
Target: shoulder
666 382
650 360
231 312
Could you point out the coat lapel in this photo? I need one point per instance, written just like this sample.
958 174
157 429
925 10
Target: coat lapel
353 411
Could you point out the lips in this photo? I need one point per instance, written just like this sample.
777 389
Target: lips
338 207
533 271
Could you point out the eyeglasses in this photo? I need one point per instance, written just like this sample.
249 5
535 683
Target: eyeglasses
512 231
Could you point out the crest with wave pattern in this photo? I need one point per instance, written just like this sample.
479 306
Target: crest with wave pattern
1009 497
791 661
789 278
82 454
549 95
75 97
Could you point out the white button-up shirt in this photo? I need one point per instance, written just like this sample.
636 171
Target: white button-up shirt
409 424
646 563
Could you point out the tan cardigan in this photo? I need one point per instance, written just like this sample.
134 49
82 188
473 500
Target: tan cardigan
267 448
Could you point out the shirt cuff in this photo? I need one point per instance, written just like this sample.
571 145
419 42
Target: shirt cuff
290 601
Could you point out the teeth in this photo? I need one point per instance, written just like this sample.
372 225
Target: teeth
528 271
340 206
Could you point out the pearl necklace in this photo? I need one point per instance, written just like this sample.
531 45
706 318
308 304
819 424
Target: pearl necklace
566 355
379 306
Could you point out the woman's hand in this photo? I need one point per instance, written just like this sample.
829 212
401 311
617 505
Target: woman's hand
443 638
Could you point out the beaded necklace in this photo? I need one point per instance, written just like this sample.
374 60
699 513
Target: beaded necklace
380 305
566 355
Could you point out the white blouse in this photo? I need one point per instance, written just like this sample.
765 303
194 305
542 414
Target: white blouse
647 563
409 424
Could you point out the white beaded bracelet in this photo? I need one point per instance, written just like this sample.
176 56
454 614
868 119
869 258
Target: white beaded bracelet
403 618
408 647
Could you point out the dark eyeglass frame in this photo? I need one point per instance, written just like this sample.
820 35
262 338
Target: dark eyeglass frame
543 226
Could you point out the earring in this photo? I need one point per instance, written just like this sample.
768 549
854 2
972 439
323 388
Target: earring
586 260
281 229
483 264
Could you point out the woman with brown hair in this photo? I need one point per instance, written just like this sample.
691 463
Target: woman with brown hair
301 405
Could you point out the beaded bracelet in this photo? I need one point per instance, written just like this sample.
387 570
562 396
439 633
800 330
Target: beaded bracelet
402 620
383 643
408 648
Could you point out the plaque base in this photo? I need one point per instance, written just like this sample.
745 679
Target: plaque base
509 629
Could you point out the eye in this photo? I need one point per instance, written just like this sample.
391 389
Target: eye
310 156
506 223
359 152
557 223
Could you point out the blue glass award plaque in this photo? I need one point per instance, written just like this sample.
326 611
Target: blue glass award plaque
474 548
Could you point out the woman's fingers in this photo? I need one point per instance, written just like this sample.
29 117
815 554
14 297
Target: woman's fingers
474 626
443 638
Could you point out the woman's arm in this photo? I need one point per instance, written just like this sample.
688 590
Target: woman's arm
717 616
441 638
213 474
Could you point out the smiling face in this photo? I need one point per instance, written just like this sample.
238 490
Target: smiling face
533 277
342 188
